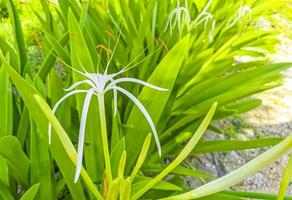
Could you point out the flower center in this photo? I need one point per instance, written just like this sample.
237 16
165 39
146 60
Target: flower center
99 80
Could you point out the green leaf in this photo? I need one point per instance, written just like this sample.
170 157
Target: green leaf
164 76
182 171
122 164
65 6
286 178
41 166
79 51
58 47
197 95
19 163
49 59
31 193
116 132
6 118
5 193
46 8
253 195
142 156
234 145
23 127
141 181
18 36
7 49
115 156
220 196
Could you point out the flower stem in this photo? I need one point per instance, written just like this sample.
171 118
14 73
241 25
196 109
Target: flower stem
104 137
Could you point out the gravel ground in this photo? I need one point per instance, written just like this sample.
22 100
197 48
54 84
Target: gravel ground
272 119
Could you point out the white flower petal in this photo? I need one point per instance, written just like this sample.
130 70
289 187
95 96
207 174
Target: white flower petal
82 133
178 16
115 101
134 80
79 83
204 12
58 104
169 21
211 31
201 19
145 113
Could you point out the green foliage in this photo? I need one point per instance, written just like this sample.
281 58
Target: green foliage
200 62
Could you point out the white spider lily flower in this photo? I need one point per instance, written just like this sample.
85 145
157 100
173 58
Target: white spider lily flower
242 12
208 20
99 85
181 15
204 11
245 10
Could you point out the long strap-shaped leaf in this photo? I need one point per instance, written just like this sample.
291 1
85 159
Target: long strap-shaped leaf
287 175
18 35
11 150
4 192
164 75
238 175
6 118
141 157
31 192
183 154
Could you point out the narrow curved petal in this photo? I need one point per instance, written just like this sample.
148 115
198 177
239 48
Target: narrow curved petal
166 26
170 19
172 13
115 98
171 27
58 104
115 102
82 133
208 19
207 6
145 113
186 16
79 83
200 20
178 17
134 80
211 32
